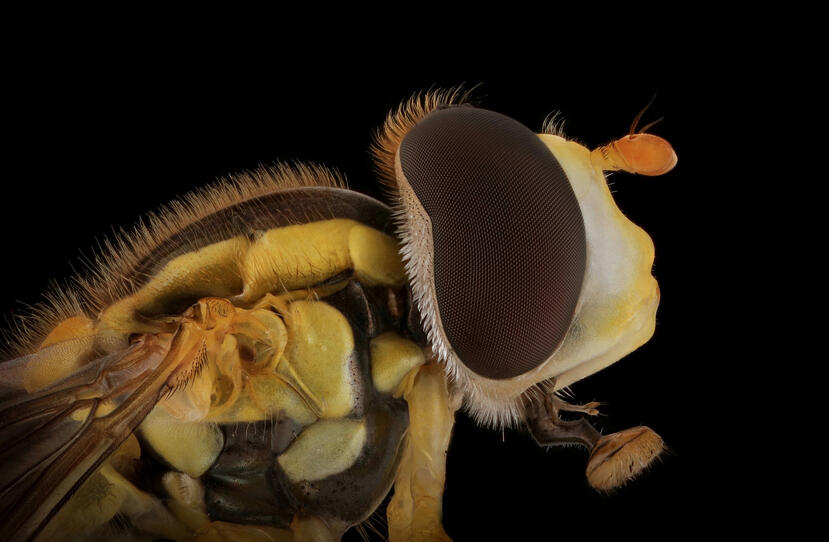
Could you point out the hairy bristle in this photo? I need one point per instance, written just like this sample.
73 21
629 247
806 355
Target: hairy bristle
387 140
553 124
108 275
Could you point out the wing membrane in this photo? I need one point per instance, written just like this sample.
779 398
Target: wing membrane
55 438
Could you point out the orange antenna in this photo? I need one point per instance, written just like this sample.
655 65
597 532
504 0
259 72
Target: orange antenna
637 152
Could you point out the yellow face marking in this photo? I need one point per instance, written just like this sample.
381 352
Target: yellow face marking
325 448
392 357
317 359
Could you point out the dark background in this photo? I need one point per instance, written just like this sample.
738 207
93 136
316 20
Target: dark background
95 138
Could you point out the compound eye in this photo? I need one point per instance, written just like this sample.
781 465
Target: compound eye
507 236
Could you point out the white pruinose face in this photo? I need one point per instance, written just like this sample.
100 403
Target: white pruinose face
616 312
617 309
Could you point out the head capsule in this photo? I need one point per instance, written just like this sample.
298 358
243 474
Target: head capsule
523 268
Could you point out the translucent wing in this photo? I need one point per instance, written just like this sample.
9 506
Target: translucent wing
55 438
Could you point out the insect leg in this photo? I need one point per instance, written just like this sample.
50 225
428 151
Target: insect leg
415 510
91 512
547 428
614 459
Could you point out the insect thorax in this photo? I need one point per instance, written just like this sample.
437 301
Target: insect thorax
292 404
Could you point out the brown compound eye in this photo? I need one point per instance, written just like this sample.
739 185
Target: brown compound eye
507 235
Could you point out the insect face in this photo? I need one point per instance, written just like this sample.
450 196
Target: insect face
523 267
617 309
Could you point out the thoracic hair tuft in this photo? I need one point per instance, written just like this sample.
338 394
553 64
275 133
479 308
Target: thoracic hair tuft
109 275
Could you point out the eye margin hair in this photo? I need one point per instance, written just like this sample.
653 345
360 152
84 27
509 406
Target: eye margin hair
386 140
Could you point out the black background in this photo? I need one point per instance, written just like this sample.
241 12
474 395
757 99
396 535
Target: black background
97 137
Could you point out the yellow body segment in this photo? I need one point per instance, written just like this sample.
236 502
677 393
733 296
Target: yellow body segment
392 357
375 257
318 357
271 394
190 447
96 502
279 260
98 494
212 271
325 448
105 494
294 257
266 397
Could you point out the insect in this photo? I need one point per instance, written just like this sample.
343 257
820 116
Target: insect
269 357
